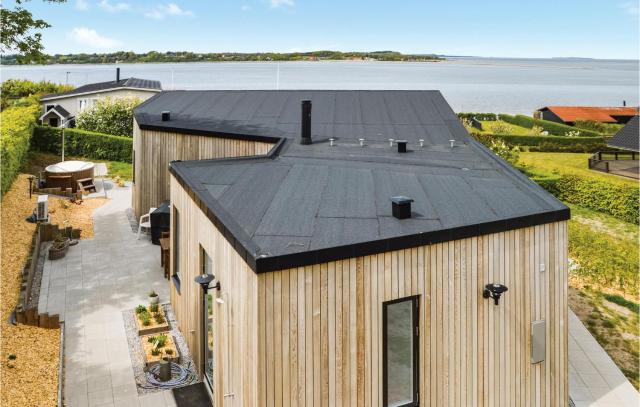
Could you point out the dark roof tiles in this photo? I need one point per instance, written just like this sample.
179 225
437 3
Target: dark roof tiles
134 83
628 138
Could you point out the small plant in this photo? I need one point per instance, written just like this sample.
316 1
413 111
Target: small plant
155 352
159 318
153 293
153 307
537 131
161 340
168 351
572 133
141 309
145 319
501 128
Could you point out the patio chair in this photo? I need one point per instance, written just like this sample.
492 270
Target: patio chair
145 221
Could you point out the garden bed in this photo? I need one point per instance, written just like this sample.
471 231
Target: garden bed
155 316
159 347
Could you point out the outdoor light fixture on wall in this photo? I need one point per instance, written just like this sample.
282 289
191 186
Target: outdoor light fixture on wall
494 291
204 280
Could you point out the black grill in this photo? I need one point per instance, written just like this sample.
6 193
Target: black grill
160 222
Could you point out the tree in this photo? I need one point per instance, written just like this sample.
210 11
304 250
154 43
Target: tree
109 116
17 32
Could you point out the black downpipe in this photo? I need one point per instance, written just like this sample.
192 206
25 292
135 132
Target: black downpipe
305 130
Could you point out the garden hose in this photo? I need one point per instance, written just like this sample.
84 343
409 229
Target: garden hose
180 376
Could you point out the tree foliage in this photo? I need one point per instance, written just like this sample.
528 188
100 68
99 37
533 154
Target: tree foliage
109 116
17 34
21 91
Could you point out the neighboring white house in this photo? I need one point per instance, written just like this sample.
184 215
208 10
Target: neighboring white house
61 109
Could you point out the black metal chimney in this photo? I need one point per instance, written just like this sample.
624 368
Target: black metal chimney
117 74
305 123
624 103
166 116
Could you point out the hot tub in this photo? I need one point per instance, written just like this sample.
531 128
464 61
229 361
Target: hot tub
66 174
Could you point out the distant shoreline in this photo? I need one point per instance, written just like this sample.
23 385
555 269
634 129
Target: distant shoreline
184 56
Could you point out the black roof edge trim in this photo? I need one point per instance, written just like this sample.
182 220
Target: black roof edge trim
209 133
240 241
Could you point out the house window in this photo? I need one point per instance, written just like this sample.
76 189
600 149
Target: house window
400 352
82 104
209 302
49 107
175 245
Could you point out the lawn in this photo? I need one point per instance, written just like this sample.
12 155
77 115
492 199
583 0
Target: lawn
490 127
37 161
545 164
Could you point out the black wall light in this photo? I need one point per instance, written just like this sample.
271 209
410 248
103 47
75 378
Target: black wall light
204 280
494 291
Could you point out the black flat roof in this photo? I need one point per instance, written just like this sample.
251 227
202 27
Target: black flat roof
135 83
303 205
628 138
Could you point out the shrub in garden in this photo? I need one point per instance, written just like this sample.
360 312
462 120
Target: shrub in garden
15 91
82 143
504 151
145 319
109 116
487 117
501 128
141 309
155 352
15 136
153 307
159 318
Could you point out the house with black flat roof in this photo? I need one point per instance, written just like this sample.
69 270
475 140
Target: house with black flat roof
347 247
60 109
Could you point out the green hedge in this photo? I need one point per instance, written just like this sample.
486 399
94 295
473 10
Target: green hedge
15 134
489 117
83 143
548 143
557 129
617 200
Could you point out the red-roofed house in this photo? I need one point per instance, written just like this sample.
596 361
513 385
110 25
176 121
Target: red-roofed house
570 114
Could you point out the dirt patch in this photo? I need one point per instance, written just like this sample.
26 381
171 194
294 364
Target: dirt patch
66 213
29 355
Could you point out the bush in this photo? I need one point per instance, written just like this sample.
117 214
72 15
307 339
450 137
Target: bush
602 128
82 143
620 300
618 200
109 116
15 135
551 127
504 151
547 143
13 90
487 117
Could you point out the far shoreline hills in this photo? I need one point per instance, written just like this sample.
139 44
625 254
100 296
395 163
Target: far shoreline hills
185 56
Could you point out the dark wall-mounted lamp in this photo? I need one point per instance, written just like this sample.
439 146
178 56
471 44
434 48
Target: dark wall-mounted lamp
494 291
204 280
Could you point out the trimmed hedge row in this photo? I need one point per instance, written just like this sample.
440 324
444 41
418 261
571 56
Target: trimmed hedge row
548 143
617 200
15 134
552 127
82 143
489 117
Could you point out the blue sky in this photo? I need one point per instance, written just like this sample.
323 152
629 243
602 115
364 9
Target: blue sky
501 28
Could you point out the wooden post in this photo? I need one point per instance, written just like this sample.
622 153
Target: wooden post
43 320
54 321
31 317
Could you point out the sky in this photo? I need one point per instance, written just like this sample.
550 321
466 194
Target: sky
605 29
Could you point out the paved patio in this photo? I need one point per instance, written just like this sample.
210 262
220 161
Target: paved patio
594 380
89 288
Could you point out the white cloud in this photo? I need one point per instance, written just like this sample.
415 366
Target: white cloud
91 38
82 5
106 5
630 8
171 9
280 3
245 7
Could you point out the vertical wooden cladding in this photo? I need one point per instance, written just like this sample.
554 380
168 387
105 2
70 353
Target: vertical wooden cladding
154 150
235 327
320 326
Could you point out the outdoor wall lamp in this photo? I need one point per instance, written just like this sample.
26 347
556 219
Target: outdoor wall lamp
494 291
204 280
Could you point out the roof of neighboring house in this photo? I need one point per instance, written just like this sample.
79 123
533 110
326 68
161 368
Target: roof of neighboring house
570 114
308 204
128 83
272 114
59 110
627 138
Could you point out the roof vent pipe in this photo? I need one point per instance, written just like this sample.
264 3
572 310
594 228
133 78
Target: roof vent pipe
402 146
117 74
305 128
401 207
166 116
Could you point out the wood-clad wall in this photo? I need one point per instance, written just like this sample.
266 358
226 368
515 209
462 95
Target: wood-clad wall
154 150
320 333
235 328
